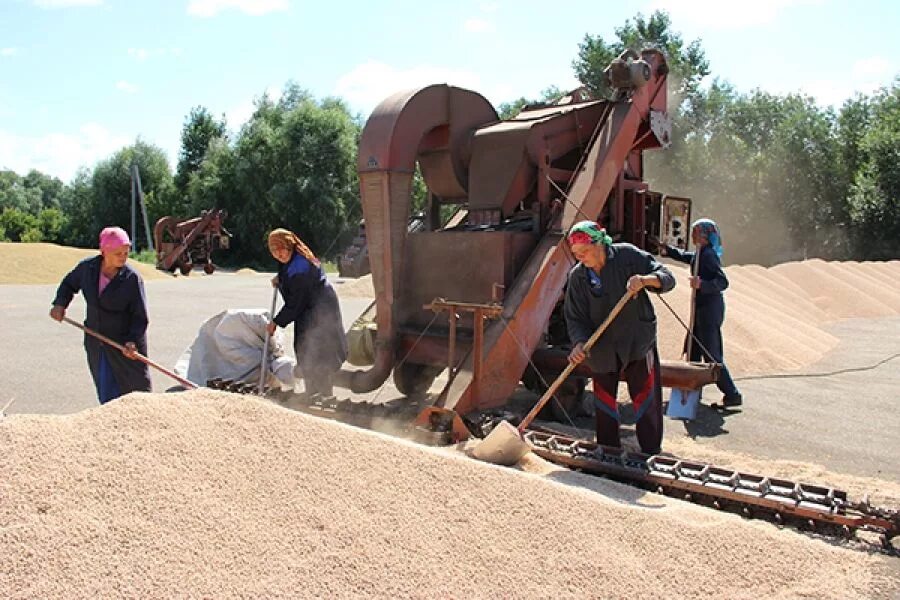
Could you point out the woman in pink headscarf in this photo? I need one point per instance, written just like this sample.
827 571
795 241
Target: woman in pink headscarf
117 308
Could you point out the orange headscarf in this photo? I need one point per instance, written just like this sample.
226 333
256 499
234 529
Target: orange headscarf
284 238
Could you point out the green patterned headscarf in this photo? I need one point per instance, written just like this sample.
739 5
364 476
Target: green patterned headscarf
588 232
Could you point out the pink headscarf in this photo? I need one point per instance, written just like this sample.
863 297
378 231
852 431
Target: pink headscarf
113 237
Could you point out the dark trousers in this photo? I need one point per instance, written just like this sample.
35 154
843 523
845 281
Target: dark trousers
645 388
319 381
107 386
708 330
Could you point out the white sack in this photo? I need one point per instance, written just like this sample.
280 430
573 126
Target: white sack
229 346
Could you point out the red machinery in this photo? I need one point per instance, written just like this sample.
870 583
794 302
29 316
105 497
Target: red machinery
479 294
182 244
499 275
354 261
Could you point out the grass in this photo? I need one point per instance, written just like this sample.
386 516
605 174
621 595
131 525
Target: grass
144 256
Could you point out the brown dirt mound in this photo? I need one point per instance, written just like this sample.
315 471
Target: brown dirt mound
207 494
49 263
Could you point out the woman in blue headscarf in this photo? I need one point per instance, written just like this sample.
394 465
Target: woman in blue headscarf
709 314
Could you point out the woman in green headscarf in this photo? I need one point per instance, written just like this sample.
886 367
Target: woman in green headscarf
604 273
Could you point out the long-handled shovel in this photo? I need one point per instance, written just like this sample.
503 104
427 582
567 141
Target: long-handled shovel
504 444
683 402
138 356
265 351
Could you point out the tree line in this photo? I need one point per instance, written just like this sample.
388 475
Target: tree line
785 178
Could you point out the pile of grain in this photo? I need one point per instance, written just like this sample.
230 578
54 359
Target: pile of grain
776 318
49 263
361 287
206 494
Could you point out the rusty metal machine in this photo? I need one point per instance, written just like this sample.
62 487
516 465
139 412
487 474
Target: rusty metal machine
182 244
354 260
523 183
479 295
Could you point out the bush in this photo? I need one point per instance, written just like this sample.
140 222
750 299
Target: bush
144 256
32 236
16 223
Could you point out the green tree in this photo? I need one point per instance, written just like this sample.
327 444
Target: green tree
111 183
293 164
508 110
50 188
687 63
874 199
853 121
17 225
51 222
14 193
200 129
82 224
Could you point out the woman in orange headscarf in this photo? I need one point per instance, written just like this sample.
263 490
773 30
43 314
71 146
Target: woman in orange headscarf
311 304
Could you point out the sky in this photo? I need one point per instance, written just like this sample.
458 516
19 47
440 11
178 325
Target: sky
80 79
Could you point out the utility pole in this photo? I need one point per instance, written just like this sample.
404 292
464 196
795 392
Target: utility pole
137 195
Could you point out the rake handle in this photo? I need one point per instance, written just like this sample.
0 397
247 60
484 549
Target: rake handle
138 356
265 352
571 366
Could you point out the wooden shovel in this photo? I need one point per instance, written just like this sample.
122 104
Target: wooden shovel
683 402
138 356
504 444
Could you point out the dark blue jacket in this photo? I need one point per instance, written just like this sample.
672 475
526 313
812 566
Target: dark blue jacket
312 305
590 297
119 313
712 277
300 283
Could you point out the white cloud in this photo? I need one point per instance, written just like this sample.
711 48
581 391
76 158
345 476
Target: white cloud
873 66
371 82
8 51
139 53
59 154
128 88
210 8
865 77
476 25
145 53
240 113
66 3
715 14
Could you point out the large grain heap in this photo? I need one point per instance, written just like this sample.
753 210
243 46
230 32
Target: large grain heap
775 317
207 494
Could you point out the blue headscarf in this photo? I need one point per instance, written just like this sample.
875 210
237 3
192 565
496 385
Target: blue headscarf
710 232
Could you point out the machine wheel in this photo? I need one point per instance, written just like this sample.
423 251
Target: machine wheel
568 395
414 380
209 268
186 268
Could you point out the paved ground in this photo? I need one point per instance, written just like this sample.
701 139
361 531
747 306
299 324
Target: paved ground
44 366
847 421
